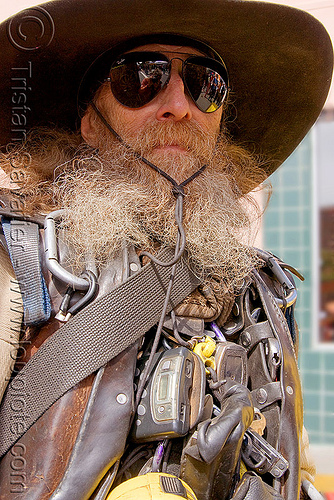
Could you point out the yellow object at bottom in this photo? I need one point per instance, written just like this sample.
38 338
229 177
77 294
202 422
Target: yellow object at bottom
153 486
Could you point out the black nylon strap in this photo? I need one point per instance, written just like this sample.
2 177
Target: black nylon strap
89 340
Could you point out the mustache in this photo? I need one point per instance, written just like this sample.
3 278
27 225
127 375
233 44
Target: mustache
188 135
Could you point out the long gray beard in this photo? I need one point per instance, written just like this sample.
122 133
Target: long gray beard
114 200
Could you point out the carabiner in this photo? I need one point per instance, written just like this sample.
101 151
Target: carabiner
51 254
64 314
278 272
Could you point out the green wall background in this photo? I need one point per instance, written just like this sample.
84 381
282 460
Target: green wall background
289 231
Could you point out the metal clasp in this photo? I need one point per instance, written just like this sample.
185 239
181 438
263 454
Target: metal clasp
276 269
51 254
273 355
65 313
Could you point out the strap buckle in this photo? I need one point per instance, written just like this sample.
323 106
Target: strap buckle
277 269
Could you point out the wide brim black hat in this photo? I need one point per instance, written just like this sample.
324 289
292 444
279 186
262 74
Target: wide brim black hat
279 61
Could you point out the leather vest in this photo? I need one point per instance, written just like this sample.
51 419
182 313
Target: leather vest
74 448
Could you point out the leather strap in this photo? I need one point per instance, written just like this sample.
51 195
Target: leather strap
88 341
291 421
266 395
253 334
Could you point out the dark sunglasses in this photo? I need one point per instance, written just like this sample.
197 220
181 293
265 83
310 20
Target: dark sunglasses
138 77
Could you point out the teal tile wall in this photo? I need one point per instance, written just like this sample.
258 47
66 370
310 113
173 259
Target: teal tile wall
288 231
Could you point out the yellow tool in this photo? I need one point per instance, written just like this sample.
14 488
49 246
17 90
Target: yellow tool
205 351
153 486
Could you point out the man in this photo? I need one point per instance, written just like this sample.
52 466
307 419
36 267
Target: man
129 362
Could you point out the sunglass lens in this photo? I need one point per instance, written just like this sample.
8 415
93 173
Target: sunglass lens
206 86
137 78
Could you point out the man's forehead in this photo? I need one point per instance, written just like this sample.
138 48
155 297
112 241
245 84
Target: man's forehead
157 47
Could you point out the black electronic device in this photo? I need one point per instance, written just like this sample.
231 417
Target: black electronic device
231 365
164 408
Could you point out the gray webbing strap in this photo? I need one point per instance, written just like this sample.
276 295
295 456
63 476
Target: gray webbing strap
89 340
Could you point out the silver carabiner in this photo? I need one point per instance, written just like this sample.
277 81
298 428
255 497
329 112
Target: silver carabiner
51 254
277 270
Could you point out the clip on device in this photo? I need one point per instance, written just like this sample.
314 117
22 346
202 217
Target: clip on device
166 406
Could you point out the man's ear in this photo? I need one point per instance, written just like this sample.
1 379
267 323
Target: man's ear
89 128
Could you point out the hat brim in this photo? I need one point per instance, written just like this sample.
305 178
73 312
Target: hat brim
279 61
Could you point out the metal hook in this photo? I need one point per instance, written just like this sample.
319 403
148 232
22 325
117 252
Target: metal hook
65 314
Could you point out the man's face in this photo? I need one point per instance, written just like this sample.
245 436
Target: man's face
172 105
130 203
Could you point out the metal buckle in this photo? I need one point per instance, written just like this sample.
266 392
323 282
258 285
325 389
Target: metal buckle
277 269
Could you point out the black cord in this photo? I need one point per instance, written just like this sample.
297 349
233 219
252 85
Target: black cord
148 366
178 191
178 188
166 457
178 255
176 333
134 456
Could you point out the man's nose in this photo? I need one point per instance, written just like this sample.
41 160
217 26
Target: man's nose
174 103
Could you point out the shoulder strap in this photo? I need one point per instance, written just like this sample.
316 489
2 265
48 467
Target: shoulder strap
89 340
22 238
